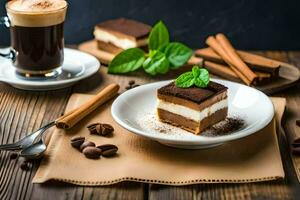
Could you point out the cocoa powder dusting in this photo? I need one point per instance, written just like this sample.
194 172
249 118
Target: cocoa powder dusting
42 4
224 127
228 126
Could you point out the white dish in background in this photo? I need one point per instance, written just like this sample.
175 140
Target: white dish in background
134 107
77 66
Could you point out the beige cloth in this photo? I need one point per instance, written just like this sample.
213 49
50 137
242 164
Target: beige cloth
255 158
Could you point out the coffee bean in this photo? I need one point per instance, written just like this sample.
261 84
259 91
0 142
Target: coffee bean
95 129
135 86
128 87
106 129
99 129
87 144
77 141
92 128
13 156
298 122
108 150
131 82
93 125
92 152
106 146
296 150
24 165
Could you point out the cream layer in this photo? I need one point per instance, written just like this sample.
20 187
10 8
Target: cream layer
124 43
189 113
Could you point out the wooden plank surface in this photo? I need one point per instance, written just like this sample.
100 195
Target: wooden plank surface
23 111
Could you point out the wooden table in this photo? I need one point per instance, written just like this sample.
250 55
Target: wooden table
22 112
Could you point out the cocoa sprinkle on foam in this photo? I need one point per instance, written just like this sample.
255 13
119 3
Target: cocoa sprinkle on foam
42 4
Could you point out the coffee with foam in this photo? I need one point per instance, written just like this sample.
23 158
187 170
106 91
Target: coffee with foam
36 13
37 35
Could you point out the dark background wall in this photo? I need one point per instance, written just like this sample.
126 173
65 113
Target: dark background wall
250 24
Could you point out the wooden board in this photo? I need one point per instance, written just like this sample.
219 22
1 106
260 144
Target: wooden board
288 76
288 73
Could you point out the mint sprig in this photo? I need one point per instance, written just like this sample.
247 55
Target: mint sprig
198 77
163 55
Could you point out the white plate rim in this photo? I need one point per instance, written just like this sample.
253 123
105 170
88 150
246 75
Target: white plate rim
203 140
28 83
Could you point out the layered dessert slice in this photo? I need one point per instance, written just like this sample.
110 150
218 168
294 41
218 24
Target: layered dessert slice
117 35
193 109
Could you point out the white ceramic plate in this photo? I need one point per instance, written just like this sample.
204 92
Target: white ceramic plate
77 66
132 110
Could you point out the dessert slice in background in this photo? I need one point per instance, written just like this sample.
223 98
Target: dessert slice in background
193 109
117 35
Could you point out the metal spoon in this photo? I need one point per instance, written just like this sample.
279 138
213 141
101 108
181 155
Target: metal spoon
27 140
35 150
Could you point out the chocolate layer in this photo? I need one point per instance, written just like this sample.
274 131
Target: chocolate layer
108 47
194 94
190 125
193 105
127 27
111 48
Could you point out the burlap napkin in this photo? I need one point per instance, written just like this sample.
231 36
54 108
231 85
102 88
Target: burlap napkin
255 158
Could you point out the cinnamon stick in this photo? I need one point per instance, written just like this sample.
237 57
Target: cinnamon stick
213 43
195 61
221 70
255 62
234 57
227 73
73 117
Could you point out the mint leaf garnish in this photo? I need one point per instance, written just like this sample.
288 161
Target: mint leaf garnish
185 80
196 71
203 79
127 61
159 36
198 77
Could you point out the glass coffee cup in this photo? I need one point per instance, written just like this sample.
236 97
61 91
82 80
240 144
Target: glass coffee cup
37 36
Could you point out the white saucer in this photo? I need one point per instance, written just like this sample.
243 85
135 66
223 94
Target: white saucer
133 108
77 66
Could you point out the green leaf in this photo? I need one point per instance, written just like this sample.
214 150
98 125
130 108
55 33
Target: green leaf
203 79
198 76
178 54
196 71
185 80
156 63
159 36
127 61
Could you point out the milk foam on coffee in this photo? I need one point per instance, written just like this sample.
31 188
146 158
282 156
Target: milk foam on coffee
37 5
36 13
